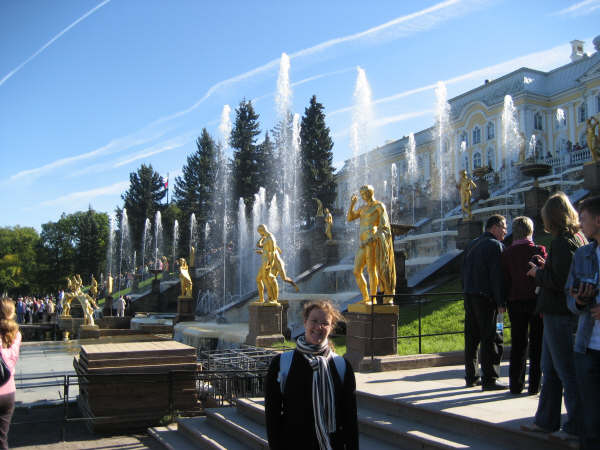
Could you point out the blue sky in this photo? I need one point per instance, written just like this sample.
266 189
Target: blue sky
90 90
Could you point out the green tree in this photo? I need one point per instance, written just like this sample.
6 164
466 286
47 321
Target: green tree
56 252
90 239
142 200
266 163
18 260
195 189
316 158
245 171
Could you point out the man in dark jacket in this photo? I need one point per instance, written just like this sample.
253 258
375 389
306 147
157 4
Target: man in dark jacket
484 298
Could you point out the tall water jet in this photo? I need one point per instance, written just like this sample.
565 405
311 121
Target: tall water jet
194 234
206 241
511 141
360 130
158 239
532 145
146 244
124 230
283 97
242 242
110 246
273 222
224 187
411 169
175 244
393 187
442 130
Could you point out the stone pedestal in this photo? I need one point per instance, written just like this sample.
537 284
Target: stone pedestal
371 335
264 324
285 305
332 252
69 324
89 332
155 286
185 309
467 231
591 177
482 190
534 200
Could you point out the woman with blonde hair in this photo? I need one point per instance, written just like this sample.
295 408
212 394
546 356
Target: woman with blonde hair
558 366
310 392
11 343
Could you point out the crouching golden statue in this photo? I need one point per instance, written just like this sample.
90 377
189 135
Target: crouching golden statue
376 250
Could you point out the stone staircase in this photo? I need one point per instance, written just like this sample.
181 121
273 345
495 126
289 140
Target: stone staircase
384 423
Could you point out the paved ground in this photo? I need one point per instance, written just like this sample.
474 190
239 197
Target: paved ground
443 389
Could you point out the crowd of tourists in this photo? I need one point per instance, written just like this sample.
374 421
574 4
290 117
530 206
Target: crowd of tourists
552 301
35 310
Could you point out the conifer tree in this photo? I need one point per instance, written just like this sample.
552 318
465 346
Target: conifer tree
266 166
142 200
245 166
317 159
195 189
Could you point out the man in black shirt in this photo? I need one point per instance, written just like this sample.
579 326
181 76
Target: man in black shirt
484 299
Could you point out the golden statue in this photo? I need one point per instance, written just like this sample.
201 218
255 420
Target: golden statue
184 277
319 207
271 267
328 224
74 291
109 284
93 288
522 147
464 186
376 251
592 139
192 256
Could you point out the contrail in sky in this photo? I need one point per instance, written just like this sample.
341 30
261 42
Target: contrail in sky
401 26
51 41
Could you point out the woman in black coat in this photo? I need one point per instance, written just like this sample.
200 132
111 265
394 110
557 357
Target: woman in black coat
309 404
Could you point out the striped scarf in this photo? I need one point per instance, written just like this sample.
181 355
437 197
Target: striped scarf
323 394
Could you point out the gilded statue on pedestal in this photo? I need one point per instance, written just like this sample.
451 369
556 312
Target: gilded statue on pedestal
328 224
272 266
592 139
74 291
94 288
465 186
184 277
376 251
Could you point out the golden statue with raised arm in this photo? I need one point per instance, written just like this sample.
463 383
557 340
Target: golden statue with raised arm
376 251
184 277
464 186
93 288
272 266
328 224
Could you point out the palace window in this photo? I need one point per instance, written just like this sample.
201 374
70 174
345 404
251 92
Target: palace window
490 131
491 158
476 160
476 136
466 163
537 121
598 103
582 113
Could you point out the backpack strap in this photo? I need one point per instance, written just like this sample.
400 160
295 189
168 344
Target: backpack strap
285 362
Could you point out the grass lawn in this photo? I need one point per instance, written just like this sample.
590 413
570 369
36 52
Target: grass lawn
438 316
142 285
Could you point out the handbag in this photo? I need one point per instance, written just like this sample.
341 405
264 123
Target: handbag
4 370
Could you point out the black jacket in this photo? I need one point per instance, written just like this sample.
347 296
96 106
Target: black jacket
553 277
289 417
482 268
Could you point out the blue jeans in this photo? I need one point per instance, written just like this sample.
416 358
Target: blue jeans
588 376
558 371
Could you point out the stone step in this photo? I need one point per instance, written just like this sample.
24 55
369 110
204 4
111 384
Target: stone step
170 438
239 427
202 432
424 416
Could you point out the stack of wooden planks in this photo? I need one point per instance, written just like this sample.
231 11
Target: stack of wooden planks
133 385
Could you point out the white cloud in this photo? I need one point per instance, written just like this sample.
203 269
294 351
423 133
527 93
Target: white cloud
170 144
51 41
579 9
113 189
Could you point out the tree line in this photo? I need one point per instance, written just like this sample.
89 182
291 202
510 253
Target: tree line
32 263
